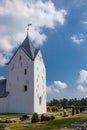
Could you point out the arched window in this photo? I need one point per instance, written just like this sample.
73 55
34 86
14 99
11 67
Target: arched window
40 100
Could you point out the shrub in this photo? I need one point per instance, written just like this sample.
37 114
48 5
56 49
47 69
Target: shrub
24 117
57 108
48 108
8 121
52 117
43 117
35 118
46 118
65 114
53 108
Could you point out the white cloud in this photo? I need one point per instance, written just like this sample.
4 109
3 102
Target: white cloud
16 14
81 88
56 90
56 87
5 44
82 76
3 59
60 84
2 77
78 39
52 89
82 81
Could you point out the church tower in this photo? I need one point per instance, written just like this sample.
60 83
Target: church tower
26 80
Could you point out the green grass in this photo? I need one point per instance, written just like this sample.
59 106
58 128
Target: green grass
9 116
52 125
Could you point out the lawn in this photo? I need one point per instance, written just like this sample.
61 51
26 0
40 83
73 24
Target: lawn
9 116
57 124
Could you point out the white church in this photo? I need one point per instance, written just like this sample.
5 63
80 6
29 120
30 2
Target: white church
24 90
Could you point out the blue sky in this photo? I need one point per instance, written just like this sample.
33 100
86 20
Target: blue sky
59 27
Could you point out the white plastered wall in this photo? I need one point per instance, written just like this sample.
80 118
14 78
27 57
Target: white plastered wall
20 101
39 84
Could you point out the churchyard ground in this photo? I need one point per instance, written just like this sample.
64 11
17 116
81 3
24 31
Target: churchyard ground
57 124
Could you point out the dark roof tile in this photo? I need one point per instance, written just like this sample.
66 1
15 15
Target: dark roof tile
28 47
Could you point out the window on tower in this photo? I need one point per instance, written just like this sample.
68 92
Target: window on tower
20 57
25 71
25 88
40 100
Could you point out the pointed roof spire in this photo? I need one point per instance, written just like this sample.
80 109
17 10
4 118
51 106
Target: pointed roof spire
27 45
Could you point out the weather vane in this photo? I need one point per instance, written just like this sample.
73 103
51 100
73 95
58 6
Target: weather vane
28 28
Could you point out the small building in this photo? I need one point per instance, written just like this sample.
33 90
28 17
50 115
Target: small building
24 90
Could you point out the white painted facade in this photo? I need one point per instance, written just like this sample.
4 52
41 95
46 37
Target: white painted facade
20 101
27 90
39 84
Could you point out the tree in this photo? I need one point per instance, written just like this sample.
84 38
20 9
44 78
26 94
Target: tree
64 103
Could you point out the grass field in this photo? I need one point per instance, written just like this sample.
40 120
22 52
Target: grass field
9 116
57 124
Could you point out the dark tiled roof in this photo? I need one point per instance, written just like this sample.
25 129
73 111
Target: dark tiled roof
29 48
3 92
36 51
